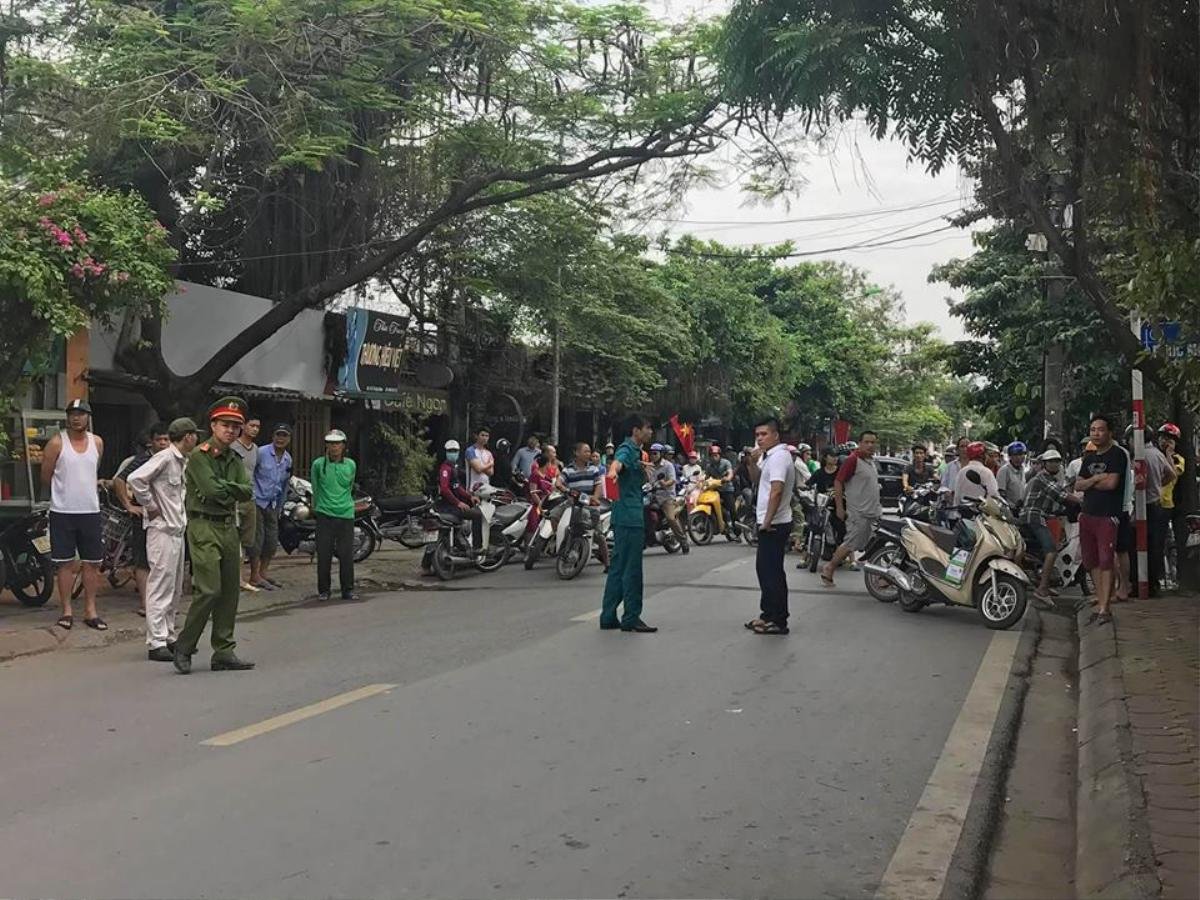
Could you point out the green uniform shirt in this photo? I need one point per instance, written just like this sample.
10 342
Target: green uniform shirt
333 486
627 510
214 481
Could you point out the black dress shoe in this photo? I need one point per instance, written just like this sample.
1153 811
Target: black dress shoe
350 597
639 628
323 596
183 662
231 664
160 654
171 647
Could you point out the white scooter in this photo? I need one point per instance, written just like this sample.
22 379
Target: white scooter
504 524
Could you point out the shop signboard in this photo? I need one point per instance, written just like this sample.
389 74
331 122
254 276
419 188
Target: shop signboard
377 353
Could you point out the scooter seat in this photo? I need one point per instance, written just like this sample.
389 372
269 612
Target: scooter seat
403 503
891 526
506 515
943 537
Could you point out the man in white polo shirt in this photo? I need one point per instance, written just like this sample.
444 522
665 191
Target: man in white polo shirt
770 465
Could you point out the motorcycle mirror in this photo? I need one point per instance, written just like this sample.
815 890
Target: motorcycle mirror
973 477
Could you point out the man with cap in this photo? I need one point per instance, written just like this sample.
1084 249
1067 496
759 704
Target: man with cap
271 477
1046 496
662 485
157 485
332 478
215 483
70 463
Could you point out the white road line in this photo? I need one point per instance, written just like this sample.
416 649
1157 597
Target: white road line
588 617
595 613
922 859
732 565
296 715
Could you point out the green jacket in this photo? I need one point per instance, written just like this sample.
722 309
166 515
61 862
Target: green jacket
333 486
215 481
627 510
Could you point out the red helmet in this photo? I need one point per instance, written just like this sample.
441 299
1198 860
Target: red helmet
1171 429
976 450
714 448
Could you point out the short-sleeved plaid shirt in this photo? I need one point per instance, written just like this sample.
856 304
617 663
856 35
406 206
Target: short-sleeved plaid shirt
1043 497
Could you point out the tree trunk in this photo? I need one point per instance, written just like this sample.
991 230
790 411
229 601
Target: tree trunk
556 389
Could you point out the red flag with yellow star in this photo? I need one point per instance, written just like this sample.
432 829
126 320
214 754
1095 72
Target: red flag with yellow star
685 433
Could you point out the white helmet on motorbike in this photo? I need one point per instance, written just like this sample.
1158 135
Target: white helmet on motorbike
452 445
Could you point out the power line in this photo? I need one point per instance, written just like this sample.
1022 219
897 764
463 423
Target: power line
864 245
829 217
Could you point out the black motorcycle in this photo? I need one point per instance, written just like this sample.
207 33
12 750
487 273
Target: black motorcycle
25 567
921 503
883 549
399 519
298 523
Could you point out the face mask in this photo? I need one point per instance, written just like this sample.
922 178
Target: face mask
452 456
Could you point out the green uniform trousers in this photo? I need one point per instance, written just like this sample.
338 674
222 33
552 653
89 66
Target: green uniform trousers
216 584
624 577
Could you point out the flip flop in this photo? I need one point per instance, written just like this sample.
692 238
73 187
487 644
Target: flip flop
770 628
753 623
826 581
65 622
98 623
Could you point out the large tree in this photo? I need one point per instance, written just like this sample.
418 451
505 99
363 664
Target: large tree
1052 103
298 149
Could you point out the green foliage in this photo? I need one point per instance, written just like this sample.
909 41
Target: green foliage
71 253
400 459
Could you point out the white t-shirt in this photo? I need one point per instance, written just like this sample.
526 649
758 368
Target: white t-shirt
484 456
965 489
775 467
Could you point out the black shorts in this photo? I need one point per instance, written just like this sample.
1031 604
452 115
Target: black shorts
72 533
1125 541
137 545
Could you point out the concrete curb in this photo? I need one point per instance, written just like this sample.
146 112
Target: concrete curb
969 865
45 639
1113 854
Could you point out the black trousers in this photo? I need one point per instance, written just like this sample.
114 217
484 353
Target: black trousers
772 545
335 535
1158 520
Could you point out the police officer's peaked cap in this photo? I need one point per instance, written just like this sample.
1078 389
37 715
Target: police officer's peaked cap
234 408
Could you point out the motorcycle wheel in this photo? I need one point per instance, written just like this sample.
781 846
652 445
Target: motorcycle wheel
495 558
412 534
879 588
573 558
120 577
364 542
443 565
32 576
671 544
1003 607
816 550
700 527
534 551
910 602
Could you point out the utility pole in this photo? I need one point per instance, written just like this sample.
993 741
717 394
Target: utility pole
1055 290
556 379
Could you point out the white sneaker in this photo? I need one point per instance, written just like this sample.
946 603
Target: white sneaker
247 586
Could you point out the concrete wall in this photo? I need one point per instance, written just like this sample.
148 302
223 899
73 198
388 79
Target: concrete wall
202 318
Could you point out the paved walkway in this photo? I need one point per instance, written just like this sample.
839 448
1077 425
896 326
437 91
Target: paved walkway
1158 643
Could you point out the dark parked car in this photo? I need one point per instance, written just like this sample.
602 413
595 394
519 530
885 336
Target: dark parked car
890 486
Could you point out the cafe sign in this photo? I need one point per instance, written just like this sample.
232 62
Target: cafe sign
378 360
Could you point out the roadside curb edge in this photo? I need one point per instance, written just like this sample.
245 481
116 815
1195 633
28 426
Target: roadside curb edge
968 866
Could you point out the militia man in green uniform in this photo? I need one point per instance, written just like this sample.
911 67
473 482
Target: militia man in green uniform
624 582
215 482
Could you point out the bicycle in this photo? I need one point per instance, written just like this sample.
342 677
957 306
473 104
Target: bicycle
117 538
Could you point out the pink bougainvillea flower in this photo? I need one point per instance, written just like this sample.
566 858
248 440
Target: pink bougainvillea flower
80 234
47 199
77 271
45 222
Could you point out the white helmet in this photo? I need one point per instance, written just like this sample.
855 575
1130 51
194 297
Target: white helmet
1051 455
335 437
452 445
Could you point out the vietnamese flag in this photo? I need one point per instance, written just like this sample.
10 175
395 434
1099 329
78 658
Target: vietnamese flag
685 433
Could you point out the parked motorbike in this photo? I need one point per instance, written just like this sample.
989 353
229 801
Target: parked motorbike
544 541
25 567
973 565
399 519
298 522
504 524
745 521
920 503
883 550
575 535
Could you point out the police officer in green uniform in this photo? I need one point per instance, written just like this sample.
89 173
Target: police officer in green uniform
215 482
624 582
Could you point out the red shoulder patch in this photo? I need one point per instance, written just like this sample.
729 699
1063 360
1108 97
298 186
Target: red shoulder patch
204 447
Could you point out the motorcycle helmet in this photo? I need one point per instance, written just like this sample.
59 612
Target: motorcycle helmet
656 448
337 436
694 455
668 450
451 445
800 448
976 451
851 446
1051 455
301 511
1016 447
1171 429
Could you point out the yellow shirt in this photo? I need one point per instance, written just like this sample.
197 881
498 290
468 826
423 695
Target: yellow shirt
1167 498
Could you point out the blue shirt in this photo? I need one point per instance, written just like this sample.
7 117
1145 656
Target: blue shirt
271 476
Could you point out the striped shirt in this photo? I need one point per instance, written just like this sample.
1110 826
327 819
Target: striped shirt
582 478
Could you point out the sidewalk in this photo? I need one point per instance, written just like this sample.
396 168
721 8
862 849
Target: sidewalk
1139 766
25 631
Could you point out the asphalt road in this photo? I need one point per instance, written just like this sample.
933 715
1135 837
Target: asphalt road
520 753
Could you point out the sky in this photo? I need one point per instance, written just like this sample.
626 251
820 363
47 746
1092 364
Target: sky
870 185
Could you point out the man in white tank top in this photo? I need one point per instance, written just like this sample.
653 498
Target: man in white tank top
70 467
